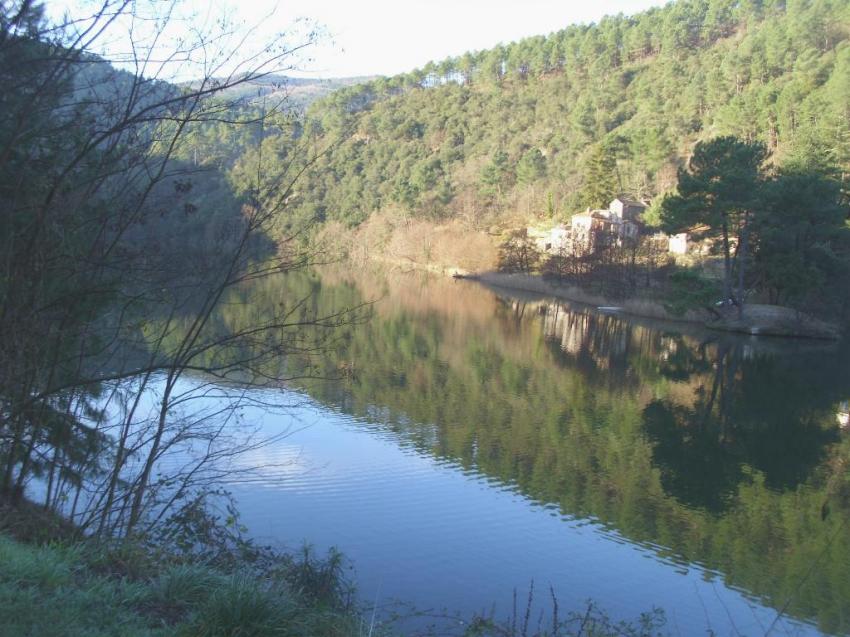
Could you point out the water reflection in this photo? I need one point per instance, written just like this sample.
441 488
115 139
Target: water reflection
746 403
703 448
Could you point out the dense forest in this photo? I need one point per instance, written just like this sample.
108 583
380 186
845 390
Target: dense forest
445 163
536 125
427 164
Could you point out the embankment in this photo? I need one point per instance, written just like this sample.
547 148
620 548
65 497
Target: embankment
535 283
757 320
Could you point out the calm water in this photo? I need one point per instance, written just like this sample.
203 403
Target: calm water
475 441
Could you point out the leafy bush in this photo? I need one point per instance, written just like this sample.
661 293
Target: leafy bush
689 290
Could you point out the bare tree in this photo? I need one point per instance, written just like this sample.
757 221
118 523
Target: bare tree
94 312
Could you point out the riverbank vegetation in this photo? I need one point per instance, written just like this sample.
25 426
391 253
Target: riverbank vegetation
206 580
53 582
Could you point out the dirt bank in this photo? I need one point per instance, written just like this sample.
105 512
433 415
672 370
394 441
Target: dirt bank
759 320
535 283
775 320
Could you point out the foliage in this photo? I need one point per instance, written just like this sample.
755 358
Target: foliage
784 233
648 86
497 175
803 242
689 290
651 217
518 253
718 194
531 166
722 180
600 182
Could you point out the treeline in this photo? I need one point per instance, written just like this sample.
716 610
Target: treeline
551 124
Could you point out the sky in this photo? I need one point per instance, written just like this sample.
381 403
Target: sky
386 37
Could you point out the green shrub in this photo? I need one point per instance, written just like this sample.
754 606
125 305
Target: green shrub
689 290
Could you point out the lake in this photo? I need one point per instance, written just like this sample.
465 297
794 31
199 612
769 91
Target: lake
465 442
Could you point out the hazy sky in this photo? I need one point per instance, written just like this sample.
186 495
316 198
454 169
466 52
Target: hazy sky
384 37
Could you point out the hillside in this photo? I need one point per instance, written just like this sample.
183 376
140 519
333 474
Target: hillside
551 124
299 92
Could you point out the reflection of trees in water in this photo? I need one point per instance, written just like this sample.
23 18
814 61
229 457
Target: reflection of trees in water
746 409
598 345
716 449
512 315
696 467
709 407
753 411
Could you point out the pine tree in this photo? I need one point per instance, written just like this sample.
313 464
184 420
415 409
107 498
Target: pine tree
600 181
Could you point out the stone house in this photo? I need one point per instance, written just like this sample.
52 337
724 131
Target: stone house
594 229
626 209
591 229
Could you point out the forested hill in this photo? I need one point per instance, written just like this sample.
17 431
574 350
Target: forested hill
297 92
553 123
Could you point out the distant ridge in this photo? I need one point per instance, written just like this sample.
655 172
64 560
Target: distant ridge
300 91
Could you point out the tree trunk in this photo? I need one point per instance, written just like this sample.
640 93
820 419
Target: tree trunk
727 265
153 453
742 264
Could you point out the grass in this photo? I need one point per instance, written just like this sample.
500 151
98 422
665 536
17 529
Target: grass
57 590
47 591
66 590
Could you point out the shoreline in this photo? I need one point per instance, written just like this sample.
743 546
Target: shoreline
644 308
759 319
